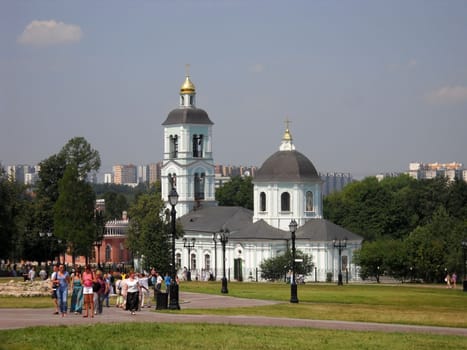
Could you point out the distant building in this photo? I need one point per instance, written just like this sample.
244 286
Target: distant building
125 174
431 170
108 178
22 174
154 172
335 182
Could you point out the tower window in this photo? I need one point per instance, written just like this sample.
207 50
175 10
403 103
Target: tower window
199 186
172 181
309 201
262 201
197 146
285 201
173 147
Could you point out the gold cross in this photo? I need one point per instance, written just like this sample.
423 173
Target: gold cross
187 69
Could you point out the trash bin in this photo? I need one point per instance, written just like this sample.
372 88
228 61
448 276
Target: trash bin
162 300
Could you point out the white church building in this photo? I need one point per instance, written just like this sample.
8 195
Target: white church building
286 187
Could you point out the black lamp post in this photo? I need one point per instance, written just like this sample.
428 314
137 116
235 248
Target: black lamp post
293 284
214 238
340 244
223 237
173 305
98 244
190 245
464 280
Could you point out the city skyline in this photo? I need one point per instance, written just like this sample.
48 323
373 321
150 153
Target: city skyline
369 87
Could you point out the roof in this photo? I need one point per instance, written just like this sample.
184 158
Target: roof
238 221
321 230
213 219
260 230
290 166
188 115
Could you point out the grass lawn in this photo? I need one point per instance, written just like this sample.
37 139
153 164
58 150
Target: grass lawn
406 304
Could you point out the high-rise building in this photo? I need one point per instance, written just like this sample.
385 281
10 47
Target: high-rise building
154 172
125 174
431 170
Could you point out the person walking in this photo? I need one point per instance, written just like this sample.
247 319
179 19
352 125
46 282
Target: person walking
132 289
77 294
100 294
54 287
145 296
62 292
87 278
454 280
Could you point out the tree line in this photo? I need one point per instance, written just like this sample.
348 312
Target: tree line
412 229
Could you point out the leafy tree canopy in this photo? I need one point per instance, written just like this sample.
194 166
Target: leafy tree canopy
237 192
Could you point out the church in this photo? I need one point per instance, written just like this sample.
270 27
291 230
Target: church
287 187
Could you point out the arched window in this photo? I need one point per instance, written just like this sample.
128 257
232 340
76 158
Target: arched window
309 201
197 146
178 260
173 146
193 261
262 201
207 262
172 180
199 186
108 252
285 201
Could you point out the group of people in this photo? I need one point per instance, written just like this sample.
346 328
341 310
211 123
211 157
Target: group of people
90 290
451 280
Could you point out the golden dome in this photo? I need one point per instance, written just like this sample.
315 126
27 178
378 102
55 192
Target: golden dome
188 87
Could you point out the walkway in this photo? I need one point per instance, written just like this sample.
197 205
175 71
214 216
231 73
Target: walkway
21 318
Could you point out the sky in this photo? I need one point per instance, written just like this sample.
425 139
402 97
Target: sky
369 86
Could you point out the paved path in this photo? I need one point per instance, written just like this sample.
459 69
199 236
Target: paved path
21 318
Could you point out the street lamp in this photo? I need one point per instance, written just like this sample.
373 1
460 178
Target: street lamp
98 244
293 284
464 280
214 238
340 244
190 245
223 237
173 305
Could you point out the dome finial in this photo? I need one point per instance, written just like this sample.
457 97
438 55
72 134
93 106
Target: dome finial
287 144
188 87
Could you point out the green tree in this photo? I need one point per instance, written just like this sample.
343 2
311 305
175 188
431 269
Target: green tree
276 268
148 234
74 213
115 204
237 192
370 258
78 152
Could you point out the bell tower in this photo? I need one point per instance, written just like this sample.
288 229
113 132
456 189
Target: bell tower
188 165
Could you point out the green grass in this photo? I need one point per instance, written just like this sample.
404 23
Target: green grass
405 304
204 336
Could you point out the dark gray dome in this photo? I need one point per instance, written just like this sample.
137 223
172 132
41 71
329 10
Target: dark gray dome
187 116
290 166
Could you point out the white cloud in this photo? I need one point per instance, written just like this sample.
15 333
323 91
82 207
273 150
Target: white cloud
43 33
257 68
448 95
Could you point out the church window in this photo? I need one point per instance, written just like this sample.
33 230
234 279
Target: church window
108 253
173 146
183 100
197 146
309 201
193 262
191 100
285 201
199 186
262 201
172 181
207 262
178 260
